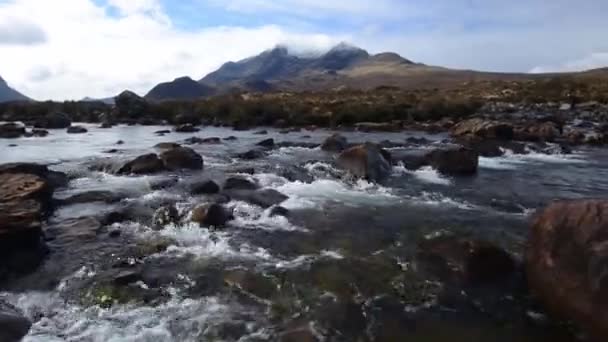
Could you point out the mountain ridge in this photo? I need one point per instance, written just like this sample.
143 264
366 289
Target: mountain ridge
8 94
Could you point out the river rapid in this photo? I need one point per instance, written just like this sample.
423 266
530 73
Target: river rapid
339 267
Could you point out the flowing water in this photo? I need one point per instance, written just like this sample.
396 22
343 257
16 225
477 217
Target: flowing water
339 267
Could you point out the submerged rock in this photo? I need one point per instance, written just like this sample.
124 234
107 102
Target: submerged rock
252 154
211 215
92 196
263 198
367 161
167 145
269 143
165 215
13 326
146 164
76 130
567 259
239 183
187 128
205 188
182 158
335 143
466 261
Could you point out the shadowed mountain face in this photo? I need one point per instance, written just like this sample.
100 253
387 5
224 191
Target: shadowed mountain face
8 94
179 89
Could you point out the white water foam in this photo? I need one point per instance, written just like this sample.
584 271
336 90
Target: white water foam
179 319
249 216
426 174
437 199
315 194
512 161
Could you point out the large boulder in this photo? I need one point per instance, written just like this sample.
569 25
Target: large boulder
567 262
11 130
454 161
182 158
145 164
367 161
54 121
482 128
335 143
13 326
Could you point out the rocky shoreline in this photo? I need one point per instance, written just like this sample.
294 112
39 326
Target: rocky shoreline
563 268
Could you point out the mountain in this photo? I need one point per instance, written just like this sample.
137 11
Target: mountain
107 100
179 89
343 66
8 94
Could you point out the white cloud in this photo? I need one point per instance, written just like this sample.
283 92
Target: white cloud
592 61
20 31
90 53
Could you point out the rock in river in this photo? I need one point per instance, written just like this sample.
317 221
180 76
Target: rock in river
211 215
76 130
567 262
482 128
454 161
146 164
13 326
335 143
182 158
367 161
11 130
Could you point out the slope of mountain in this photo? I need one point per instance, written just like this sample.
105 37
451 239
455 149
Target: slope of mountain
179 89
8 94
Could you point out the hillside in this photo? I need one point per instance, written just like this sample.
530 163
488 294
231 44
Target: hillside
179 89
8 94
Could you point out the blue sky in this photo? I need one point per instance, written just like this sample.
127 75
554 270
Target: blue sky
74 48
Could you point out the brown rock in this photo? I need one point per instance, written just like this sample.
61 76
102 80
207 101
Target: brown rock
482 128
567 262
335 143
182 158
148 163
454 161
367 161
211 215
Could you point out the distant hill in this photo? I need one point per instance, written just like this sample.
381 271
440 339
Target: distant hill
107 100
179 89
8 94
